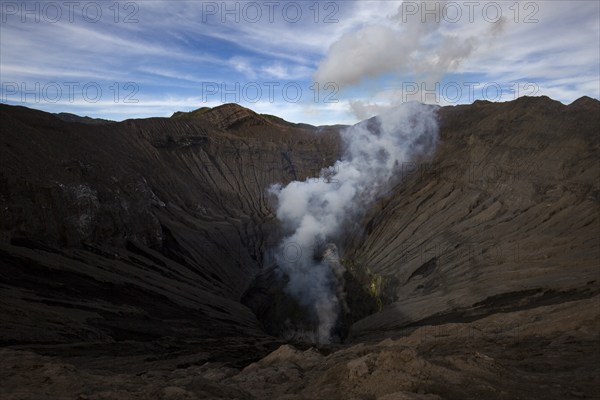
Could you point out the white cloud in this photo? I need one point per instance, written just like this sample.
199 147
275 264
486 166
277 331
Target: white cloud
562 44
283 71
171 51
243 66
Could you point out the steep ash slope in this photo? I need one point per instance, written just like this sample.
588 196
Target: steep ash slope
504 217
141 229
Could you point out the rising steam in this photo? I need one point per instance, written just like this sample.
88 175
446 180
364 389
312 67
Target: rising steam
315 211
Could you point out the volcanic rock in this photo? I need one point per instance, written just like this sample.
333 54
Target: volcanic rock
134 259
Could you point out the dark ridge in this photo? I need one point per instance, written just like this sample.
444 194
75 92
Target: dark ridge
585 103
68 117
194 113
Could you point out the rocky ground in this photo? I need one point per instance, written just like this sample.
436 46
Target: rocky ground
131 259
515 355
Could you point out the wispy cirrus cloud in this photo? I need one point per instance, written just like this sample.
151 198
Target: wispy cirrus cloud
175 48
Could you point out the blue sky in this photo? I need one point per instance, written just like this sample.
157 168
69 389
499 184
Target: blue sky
306 61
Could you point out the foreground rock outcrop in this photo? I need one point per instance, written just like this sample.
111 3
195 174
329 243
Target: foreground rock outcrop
131 259
517 355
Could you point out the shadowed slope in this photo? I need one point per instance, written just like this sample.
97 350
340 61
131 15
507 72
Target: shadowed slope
140 229
504 217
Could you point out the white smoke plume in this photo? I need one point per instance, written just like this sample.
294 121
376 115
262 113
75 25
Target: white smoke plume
315 211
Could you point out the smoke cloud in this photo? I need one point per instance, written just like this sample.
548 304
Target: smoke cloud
315 211
422 48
